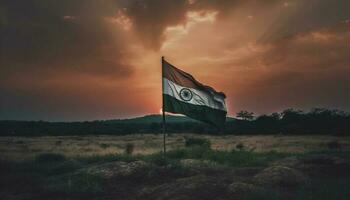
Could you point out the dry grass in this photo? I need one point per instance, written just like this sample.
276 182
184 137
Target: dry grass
19 148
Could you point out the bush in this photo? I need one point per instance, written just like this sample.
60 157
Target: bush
240 146
64 167
50 157
158 159
104 146
334 145
129 148
203 142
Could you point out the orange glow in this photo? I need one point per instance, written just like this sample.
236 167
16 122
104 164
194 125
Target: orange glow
103 60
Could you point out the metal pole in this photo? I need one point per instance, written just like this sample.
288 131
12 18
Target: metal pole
163 124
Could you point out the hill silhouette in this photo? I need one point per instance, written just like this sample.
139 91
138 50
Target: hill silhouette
155 118
317 121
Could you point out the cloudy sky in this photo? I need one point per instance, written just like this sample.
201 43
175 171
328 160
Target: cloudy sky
99 59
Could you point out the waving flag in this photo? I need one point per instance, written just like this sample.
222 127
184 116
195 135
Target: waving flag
185 95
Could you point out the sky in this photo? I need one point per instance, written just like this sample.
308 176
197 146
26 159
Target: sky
74 60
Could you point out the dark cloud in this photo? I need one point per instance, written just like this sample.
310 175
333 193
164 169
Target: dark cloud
36 26
305 70
61 59
150 18
281 18
61 35
276 18
76 58
292 17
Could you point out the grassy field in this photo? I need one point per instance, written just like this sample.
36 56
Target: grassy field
19 148
196 167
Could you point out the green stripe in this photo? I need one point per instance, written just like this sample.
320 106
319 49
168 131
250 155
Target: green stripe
202 113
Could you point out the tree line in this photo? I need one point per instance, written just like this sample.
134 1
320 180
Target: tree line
291 121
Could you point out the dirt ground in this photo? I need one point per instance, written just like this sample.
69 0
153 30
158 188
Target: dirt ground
19 148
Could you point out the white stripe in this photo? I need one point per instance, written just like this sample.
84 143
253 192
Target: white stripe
199 97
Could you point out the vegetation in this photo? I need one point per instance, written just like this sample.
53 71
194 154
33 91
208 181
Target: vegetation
191 141
245 115
129 148
104 145
90 177
67 179
334 145
50 157
324 189
290 121
240 146
226 158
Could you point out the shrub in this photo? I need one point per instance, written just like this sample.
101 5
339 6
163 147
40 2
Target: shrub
334 145
64 167
240 146
158 159
129 148
50 157
203 142
107 158
104 146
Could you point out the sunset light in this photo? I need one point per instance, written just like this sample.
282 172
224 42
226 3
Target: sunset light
102 60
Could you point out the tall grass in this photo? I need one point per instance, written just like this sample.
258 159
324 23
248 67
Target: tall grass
231 159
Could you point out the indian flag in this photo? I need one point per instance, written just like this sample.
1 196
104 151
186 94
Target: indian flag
185 95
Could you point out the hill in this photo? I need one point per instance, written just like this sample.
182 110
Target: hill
154 118
317 121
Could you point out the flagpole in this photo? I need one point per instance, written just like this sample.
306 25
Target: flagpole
163 113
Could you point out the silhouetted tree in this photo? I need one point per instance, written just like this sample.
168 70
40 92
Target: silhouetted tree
245 115
290 121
